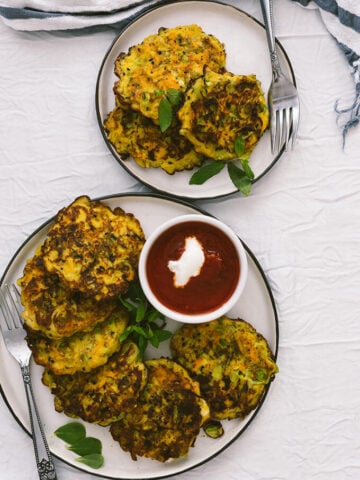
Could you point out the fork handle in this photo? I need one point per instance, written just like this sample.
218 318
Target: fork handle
267 12
44 462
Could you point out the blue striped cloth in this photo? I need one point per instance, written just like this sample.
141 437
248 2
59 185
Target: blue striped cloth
48 15
341 17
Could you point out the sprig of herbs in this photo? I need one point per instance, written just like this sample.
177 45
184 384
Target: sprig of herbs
241 177
146 324
89 448
170 100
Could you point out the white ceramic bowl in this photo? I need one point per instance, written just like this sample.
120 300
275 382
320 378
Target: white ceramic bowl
150 280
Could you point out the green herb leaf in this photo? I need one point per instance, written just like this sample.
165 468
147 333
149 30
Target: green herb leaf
140 312
165 114
159 336
239 178
153 315
141 331
128 305
146 324
86 446
93 460
71 432
89 448
213 429
125 334
142 343
205 172
247 169
239 146
174 96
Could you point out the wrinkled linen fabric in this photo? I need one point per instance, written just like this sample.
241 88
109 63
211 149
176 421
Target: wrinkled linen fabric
301 222
342 19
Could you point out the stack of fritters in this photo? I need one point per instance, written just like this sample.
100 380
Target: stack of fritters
217 107
170 59
69 290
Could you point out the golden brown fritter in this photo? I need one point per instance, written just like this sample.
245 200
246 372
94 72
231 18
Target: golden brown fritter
167 418
52 309
169 59
93 249
219 108
105 393
133 134
82 351
231 361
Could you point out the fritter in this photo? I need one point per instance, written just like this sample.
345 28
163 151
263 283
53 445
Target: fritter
221 107
82 351
53 310
102 395
167 418
93 249
133 134
231 361
169 59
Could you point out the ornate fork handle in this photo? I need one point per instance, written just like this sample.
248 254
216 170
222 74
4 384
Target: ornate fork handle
44 462
267 11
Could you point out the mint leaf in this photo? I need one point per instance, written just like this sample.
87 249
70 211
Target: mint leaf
247 169
165 114
140 312
86 446
142 343
93 460
146 324
125 334
71 432
128 305
206 171
239 178
89 448
174 96
239 146
159 336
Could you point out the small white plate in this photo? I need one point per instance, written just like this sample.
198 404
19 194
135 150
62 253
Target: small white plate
247 53
255 306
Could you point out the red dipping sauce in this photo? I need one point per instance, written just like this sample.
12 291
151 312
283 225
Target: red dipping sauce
218 276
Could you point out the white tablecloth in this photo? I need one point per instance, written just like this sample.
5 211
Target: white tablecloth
302 222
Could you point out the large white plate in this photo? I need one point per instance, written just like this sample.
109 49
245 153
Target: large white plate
247 53
256 306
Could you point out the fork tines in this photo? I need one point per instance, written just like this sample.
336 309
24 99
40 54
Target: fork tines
8 304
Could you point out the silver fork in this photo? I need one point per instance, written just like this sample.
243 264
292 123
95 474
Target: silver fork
283 96
14 339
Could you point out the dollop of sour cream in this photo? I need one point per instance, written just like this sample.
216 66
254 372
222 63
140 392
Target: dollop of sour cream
189 264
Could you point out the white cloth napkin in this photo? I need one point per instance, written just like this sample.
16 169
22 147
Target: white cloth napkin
342 19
